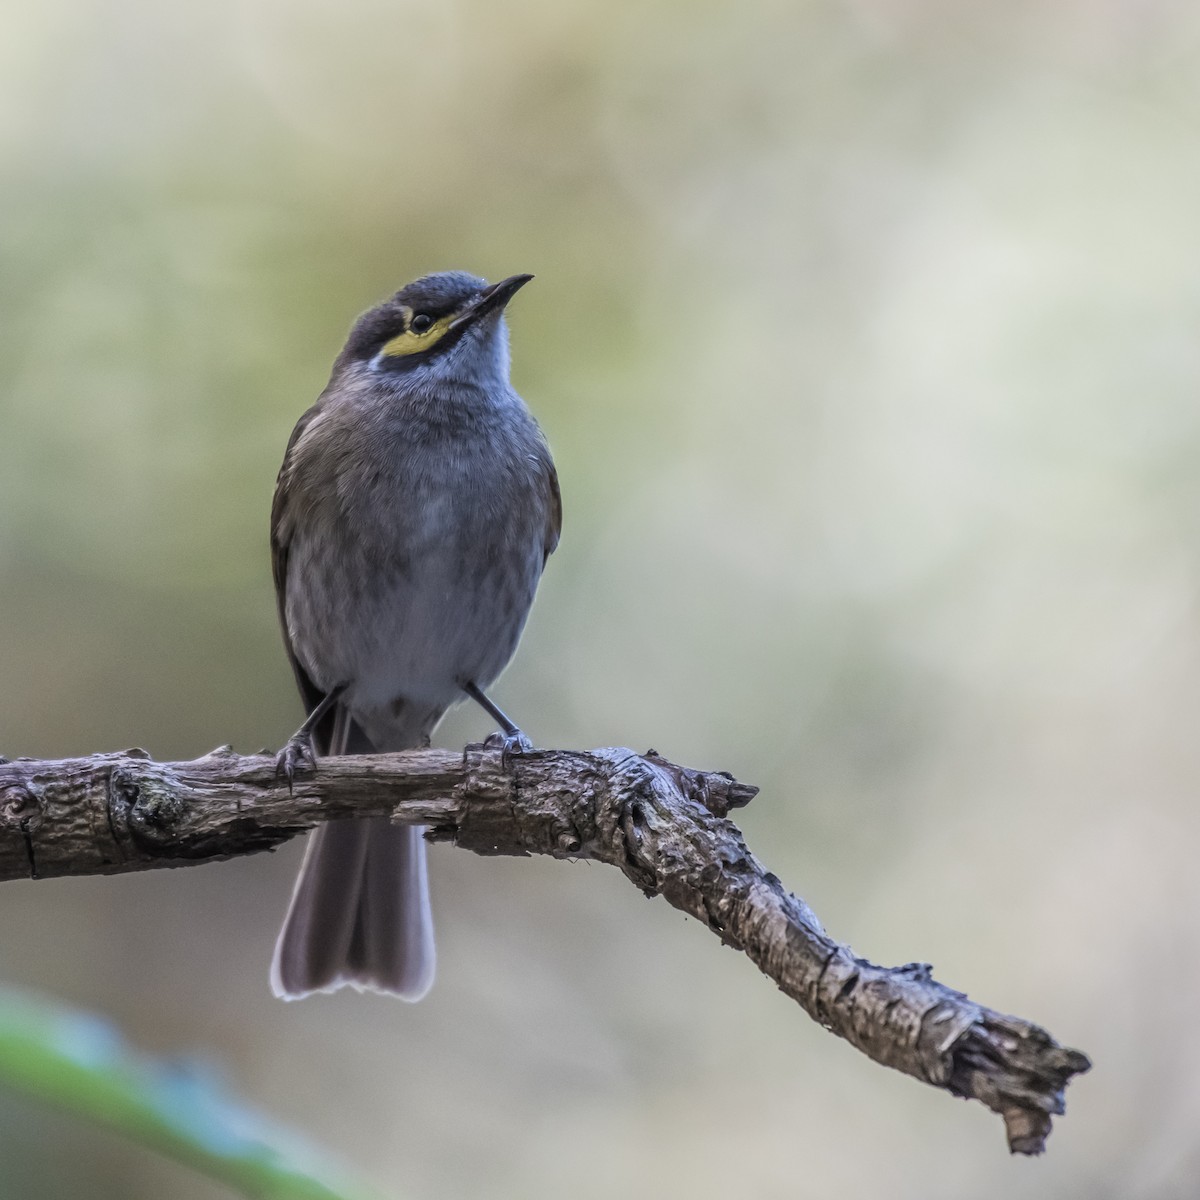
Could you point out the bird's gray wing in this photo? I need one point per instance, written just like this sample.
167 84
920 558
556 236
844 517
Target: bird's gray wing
283 523
553 509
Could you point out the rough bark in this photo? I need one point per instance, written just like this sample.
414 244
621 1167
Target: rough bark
664 826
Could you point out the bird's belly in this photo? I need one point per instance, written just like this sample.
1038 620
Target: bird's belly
414 628
432 637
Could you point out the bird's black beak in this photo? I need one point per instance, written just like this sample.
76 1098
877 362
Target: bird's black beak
491 299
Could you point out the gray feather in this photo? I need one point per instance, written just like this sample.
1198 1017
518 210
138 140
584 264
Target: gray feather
360 912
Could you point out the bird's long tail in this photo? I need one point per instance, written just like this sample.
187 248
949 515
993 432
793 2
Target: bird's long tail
360 913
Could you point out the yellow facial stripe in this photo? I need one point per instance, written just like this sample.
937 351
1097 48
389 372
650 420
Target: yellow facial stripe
411 342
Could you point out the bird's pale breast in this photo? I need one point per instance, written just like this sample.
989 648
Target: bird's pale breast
420 577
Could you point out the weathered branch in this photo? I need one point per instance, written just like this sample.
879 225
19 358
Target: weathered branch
663 825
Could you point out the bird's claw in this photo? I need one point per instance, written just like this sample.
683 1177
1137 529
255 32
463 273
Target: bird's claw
296 756
511 745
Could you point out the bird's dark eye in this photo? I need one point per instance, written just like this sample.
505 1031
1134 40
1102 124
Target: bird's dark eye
421 323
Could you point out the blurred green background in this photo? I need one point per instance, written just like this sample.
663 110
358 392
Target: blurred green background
865 335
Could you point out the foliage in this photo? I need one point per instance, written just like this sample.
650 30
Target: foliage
80 1063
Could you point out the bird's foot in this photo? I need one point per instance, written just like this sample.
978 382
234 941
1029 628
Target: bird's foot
511 745
297 756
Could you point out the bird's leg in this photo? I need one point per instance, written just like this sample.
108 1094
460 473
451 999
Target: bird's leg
509 738
298 754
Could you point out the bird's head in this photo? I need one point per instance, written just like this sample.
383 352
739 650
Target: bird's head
445 326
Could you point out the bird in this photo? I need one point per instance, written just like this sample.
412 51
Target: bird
413 515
